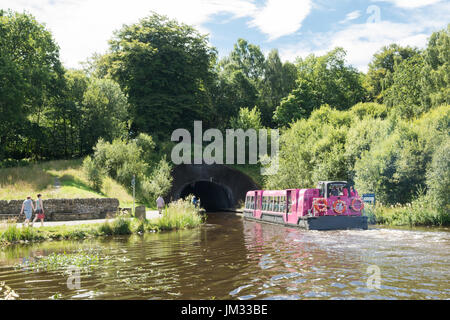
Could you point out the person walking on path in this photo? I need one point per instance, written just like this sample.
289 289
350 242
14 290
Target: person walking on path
160 204
27 208
39 211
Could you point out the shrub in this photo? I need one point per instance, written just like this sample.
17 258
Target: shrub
94 173
121 226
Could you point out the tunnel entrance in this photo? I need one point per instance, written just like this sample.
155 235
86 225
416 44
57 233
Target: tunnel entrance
213 196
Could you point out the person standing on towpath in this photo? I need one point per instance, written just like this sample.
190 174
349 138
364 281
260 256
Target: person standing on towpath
160 204
28 208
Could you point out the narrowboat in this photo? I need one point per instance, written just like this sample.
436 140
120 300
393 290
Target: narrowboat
333 205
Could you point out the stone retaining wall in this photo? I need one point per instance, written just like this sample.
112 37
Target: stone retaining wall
66 209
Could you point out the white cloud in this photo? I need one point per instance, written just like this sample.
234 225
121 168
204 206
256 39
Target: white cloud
281 17
410 4
351 16
361 41
82 27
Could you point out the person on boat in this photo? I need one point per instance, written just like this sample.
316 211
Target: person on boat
353 192
334 191
345 192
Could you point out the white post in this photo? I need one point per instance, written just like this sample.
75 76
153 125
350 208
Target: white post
133 183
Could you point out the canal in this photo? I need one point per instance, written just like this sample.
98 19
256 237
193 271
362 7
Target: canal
231 258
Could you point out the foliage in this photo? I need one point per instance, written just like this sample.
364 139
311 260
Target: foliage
30 77
94 173
381 68
165 69
180 214
405 94
158 183
321 80
436 82
122 160
438 178
104 112
312 150
247 119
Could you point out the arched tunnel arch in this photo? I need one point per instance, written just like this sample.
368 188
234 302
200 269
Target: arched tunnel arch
217 186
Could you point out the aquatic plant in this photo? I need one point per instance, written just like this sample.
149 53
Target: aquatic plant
58 261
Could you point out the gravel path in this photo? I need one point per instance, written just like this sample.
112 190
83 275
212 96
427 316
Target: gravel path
152 214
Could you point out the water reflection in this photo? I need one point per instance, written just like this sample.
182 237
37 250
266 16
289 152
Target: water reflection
230 258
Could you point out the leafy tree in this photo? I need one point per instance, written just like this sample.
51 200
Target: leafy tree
437 69
321 80
279 81
405 94
165 69
247 119
313 149
94 173
381 68
159 182
438 177
104 113
30 76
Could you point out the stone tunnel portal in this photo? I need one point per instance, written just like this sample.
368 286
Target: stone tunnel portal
217 186
213 196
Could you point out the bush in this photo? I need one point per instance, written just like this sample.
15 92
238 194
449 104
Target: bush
94 173
438 178
159 182
105 228
180 214
121 226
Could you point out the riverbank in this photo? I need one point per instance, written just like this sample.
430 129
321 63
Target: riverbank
178 215
415 214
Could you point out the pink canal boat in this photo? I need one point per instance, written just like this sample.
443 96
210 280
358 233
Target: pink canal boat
333 205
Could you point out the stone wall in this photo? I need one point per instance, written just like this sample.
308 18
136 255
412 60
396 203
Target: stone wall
66 209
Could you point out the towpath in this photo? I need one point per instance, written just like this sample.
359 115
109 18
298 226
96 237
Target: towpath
151 214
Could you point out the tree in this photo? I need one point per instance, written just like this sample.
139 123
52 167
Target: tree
30 76
247 119
381 68
321 80
165 69
279 81
104 113
437 69
405 93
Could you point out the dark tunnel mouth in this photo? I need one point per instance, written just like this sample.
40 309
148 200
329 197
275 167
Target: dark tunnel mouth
213 196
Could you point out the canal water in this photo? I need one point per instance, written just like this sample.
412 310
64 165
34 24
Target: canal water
231 258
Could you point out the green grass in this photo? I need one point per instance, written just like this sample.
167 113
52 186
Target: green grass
418 213
18 182
180 214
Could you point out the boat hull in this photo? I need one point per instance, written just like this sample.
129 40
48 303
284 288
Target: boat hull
316 223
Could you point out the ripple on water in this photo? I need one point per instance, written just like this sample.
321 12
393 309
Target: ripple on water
232 258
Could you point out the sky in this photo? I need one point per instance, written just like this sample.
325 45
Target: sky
296 28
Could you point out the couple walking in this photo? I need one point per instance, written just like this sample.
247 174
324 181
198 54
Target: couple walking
28 208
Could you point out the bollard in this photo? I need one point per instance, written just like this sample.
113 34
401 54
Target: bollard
140 212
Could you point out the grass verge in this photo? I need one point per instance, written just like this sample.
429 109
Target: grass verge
418 213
